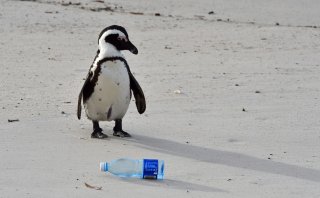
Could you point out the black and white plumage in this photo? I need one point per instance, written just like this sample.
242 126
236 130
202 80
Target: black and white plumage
106 92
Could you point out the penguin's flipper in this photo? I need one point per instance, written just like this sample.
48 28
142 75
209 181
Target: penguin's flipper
83 89
138 94
79 105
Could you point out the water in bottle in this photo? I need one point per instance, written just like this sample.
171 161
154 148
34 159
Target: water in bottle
145 168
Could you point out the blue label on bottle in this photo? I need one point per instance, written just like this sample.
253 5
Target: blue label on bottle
150 168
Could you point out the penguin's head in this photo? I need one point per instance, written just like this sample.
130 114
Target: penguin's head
118 37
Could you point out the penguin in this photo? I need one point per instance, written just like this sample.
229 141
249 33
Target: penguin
108 87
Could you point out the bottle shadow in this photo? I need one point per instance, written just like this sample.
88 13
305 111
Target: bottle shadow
227 158
173 184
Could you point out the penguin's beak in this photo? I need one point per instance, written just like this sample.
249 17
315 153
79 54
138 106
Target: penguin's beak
132 48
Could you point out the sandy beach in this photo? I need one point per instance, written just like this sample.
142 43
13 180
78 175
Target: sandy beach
232 90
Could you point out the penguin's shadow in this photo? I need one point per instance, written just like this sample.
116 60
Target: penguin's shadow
232 159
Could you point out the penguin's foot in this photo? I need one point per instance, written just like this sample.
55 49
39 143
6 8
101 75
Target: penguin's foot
121 134
98 135
97 131
117 130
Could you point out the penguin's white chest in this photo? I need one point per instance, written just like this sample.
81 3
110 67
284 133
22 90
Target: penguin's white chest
111 96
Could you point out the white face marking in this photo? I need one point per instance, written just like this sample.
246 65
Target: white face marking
107 49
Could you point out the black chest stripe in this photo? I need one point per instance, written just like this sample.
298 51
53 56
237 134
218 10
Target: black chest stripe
92 79
89 88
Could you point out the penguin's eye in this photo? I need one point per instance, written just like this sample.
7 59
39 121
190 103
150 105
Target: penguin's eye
121 38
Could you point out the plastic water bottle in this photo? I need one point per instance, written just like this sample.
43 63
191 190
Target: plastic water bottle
145 168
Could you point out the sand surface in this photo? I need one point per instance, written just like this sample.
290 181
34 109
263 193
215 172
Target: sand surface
232 98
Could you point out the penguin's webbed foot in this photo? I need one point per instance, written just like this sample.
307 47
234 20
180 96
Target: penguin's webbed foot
121 134
97 131
117 130
98 135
